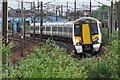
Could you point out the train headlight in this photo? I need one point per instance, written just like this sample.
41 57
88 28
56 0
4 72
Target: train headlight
78 42
96 39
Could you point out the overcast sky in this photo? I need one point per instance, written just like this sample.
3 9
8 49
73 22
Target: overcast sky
14 3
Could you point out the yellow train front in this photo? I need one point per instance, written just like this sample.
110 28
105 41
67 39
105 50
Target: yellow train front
87 35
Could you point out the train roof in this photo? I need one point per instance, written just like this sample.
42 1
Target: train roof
68 23
54 23
85 18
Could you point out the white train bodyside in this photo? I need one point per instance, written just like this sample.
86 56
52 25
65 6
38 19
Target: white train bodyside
54 29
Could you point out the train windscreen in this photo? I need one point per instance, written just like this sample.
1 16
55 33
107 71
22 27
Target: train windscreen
77 30
93 28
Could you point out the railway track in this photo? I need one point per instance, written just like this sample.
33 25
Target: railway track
19 49
61 44
30 43
16 45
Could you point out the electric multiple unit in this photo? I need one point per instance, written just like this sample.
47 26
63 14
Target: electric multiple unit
84 32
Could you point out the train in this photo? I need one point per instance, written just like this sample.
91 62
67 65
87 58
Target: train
84 33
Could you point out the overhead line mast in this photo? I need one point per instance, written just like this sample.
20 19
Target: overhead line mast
41 21
5 22
22 29
75 9
90 7
118 18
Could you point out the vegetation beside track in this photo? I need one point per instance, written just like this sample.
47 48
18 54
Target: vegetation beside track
50 61
105 38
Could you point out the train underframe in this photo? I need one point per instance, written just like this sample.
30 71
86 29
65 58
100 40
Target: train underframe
58 38
88 48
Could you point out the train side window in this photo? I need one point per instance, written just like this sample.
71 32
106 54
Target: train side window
37 27
65 29
31 27
47 28
70 29
43 28
59 29
54 29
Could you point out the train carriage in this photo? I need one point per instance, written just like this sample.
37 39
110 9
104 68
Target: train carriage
84 32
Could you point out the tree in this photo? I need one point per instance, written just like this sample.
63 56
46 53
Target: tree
118 18
101 13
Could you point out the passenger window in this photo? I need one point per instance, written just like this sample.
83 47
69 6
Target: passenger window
31 28
43 28
47 28
65 29
54 29
70 29
37 27
60 29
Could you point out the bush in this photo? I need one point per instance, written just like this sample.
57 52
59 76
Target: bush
5 59
50 61
105 38
106 66
104 32
115 49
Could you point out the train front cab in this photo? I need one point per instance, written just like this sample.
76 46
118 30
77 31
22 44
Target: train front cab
86 36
